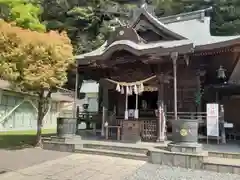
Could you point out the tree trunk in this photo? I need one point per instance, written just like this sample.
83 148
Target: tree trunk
40 118
43 104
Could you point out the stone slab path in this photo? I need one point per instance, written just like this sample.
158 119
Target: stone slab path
94 167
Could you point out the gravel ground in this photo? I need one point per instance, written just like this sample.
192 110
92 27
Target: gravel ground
157 172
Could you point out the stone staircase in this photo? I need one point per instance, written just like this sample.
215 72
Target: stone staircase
128 152
212 161
223 165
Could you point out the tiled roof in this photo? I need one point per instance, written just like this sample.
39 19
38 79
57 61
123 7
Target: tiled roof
193 26
200 35
138 49
58 96
194 15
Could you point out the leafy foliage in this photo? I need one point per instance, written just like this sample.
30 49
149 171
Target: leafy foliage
86 22
225 16
34 62
31 62
24 12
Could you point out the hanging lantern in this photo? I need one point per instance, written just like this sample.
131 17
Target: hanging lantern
118 88
221 73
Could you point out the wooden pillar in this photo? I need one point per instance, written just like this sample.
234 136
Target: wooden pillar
174 57
221 122
161 120
104 108
136 112
198 90
76 92
126 106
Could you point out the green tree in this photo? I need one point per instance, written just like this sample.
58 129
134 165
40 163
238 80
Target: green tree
34 62
25 13
87 22
226 17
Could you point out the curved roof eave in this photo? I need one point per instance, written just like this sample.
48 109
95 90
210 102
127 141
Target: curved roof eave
157 23
220 42
92 53
163 48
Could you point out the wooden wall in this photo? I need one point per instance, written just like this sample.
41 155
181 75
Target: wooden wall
232 111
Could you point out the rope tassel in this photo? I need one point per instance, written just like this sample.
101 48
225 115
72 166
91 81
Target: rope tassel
122 90
118 88
135 89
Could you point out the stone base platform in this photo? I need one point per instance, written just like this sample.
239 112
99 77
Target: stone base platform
163 154
194 148
179 159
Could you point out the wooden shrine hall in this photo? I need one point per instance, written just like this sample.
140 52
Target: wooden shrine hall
155 70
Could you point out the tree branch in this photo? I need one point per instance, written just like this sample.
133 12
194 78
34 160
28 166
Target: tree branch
47 104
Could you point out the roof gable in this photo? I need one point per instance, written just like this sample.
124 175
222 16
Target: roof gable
144 19
123 33
184 33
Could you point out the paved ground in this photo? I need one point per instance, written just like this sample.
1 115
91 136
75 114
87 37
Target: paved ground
11 160
93 167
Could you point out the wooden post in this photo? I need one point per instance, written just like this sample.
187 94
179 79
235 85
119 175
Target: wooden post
118 133
174 57
104 109
106 133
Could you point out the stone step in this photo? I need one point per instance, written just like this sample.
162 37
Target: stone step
230 155
223 165
126 155
115 147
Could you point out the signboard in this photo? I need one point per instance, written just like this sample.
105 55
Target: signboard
212 119
131 113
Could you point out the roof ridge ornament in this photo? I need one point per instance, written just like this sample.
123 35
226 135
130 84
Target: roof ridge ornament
145 3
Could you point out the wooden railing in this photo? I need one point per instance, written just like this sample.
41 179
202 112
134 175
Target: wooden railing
148 129
148 125
199 116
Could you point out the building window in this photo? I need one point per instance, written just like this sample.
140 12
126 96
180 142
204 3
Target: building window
54 106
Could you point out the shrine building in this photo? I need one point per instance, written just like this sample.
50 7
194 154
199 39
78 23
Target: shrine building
154 70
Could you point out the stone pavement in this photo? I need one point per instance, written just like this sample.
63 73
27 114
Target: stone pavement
94 167
78 166
11 160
